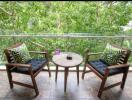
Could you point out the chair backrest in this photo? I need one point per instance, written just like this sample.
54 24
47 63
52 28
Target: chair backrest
7 52
125 55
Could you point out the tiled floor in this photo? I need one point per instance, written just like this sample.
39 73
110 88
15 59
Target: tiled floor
49 90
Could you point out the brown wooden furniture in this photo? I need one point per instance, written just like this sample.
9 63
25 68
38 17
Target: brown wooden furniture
62 61
32 67
103 71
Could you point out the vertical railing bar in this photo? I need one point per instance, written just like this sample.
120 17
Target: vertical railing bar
122 41
68 46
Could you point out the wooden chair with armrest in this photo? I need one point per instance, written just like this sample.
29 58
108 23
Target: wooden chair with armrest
31 67
104 70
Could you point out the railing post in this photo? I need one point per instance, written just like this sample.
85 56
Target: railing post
14 40
122 41
68 46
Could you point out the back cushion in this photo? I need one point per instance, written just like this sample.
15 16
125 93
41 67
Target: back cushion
112 55
20 54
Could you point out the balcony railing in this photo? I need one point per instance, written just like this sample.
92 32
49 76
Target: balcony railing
73 42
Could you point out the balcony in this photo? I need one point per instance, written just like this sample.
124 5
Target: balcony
67 26
49 90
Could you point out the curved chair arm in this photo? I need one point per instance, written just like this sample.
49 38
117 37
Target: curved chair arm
18 65
118 66
37 52
40 52
89 54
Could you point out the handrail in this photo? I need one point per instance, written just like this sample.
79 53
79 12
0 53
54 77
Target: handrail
67 36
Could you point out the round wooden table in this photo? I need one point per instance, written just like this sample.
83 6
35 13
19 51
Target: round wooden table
60 60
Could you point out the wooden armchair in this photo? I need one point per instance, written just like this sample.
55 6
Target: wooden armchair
103 70
32 67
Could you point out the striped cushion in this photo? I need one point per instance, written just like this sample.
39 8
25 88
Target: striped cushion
111 54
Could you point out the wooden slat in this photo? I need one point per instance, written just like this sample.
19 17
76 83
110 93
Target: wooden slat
18 65
23 84
88 71
113 85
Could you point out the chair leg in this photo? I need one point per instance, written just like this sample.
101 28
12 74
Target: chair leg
102 87
124 79
34 84
9 78
49 69
84 69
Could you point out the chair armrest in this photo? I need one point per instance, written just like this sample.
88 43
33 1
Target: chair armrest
41 52
89 54
118 66
37 52
18 65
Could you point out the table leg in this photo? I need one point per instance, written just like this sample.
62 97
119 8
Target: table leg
65 78
56 73
77 68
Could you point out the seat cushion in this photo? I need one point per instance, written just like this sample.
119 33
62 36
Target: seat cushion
100 66
36 64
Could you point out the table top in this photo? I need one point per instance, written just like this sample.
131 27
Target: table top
61 59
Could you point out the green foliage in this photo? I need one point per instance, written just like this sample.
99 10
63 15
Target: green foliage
64 17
